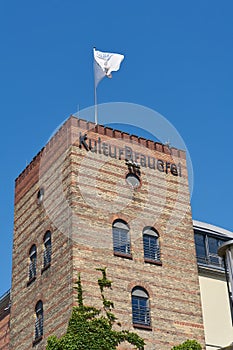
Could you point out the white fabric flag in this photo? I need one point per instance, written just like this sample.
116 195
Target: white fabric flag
105 63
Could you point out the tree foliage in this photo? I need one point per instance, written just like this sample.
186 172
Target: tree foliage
188 345
92 328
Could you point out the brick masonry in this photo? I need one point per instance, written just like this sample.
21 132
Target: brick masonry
84 192
4 332
4 321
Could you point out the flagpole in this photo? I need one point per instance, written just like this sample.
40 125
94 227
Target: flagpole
104 64
95 91
95 98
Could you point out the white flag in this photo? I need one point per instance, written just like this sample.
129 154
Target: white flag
105 63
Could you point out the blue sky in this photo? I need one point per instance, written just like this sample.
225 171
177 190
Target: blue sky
178 61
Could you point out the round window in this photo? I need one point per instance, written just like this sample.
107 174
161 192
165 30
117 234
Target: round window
133 180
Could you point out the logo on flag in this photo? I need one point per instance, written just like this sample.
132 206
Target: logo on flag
105 63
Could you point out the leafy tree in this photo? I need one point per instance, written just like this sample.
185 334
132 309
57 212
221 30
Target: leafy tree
188 345
92 328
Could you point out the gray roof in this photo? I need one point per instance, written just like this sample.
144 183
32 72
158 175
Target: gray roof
216 230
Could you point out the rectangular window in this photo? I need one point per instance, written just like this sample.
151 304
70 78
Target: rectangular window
207 249
200 248
213 251
151 247
121 241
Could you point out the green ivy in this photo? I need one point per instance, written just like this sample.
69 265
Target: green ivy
90 328
188 345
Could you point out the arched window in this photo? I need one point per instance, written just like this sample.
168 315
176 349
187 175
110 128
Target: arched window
40 195
140 306
39 320
47 249
32 264
121 239
151 244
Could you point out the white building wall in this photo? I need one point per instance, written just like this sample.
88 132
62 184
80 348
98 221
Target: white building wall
216 311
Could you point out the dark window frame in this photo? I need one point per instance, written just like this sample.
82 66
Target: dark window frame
40 195
151 246
121 239
32 264
206 251
140 308
47 254
39 322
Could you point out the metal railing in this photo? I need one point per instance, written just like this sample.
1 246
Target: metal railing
39 328
213 261
152 252
32 269
121 242
141 315
47 256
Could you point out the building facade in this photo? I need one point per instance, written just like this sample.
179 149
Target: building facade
212 278
95 197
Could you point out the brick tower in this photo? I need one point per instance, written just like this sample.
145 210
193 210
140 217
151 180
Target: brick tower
96 197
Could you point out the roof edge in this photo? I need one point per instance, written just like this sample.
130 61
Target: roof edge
211 228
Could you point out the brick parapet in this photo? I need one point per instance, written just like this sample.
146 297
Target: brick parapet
72 124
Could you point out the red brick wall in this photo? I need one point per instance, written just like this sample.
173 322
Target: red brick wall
54 285
4 332
84 193
162 201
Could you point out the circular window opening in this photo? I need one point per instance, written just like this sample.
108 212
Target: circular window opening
133 180
40 195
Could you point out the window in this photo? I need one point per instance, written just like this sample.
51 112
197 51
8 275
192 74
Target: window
121 240
133 180
40 196
47 249
32 264
39 320
140 307
207 249
151 244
